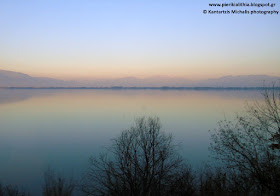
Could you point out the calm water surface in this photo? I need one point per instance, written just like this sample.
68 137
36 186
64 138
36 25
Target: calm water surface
63 128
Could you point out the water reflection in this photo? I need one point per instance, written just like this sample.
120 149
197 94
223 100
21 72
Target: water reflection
62 128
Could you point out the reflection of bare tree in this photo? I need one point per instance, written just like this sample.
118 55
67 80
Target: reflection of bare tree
144 162
250 147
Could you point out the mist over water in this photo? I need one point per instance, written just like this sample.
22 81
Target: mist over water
63 128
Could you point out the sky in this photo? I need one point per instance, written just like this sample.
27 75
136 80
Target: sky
75 39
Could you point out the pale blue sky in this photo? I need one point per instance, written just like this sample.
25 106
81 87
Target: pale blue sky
116 38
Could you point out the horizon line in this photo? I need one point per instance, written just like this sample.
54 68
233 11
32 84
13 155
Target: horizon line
146 88
136 77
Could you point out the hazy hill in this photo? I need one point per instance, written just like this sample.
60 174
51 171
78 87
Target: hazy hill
16 79
239 81
156 81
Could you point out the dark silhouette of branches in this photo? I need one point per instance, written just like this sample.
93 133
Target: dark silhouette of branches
56 185
12 190
142 161
250 146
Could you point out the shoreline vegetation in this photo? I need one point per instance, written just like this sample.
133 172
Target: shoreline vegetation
144 161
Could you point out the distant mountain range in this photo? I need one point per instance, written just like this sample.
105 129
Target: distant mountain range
16 79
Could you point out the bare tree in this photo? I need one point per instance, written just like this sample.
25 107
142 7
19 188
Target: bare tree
56 185
141 161
11 190
184 183
249 147
212 181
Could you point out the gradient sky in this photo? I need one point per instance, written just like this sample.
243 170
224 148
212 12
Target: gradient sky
142 38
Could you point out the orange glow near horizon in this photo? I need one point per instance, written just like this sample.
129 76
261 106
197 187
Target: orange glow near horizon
196 72
98 39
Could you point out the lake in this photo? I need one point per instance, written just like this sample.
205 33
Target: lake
61 129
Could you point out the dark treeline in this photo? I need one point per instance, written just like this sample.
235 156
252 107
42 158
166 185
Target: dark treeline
144 161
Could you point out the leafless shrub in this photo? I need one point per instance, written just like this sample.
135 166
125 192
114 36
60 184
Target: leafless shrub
141 161
249 146
56 185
